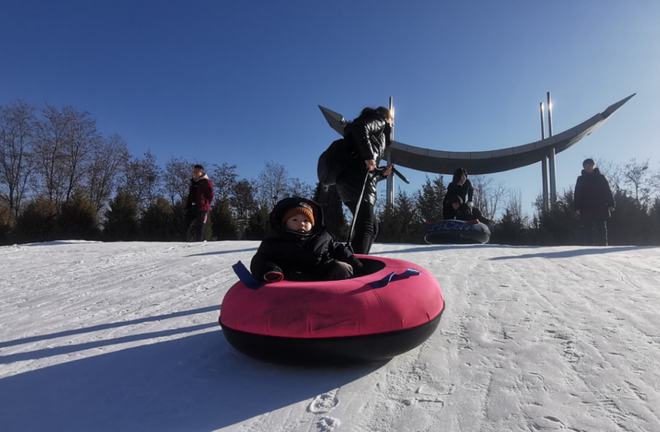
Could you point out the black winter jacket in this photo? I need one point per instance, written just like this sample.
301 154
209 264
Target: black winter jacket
593 196
293 254
464 192
368 137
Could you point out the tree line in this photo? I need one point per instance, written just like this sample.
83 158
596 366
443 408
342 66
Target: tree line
60 178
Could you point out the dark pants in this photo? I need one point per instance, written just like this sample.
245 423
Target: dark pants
595 231
366 227
196 220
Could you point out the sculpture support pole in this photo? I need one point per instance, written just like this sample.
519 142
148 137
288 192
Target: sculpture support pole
551 157
553 178
544 178
388 156
544 163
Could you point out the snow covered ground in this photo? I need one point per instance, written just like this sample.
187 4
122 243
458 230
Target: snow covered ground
123 336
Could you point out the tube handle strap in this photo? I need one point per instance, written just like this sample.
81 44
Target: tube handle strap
393 276
245 276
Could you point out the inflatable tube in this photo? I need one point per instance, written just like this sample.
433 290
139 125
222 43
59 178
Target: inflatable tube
456 231
373 317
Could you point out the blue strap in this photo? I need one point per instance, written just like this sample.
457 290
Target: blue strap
245 276
393 276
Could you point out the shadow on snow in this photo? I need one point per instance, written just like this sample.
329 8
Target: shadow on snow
195 383
573 252
4 344
435 248
223 252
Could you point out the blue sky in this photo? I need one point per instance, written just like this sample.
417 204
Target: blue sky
239 82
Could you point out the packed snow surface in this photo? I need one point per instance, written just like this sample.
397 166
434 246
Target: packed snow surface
124 337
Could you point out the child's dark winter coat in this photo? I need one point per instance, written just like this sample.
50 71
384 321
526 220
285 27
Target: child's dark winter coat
298 256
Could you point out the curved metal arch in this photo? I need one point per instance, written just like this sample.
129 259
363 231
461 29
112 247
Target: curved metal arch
484 162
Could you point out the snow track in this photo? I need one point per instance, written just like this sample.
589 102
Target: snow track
124 336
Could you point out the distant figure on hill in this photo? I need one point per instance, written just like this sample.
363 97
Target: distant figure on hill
198 205
367 138
461 187
593 203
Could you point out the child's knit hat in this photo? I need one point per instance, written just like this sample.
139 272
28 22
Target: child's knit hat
303 209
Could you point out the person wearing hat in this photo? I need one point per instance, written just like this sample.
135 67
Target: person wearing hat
300 248
198 204
593 203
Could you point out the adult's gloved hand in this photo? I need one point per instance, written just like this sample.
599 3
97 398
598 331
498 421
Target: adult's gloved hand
355 262
273 276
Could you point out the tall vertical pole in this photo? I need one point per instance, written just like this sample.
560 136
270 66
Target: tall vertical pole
551 156
549 115
544 174
542 124
388 156
544 162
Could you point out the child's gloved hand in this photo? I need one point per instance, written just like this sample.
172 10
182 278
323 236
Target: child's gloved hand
273 276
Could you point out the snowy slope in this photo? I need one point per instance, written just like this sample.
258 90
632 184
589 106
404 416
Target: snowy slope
123 336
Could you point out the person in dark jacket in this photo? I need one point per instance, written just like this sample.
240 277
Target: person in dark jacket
593 203
461 187
198 204
368 136
300 248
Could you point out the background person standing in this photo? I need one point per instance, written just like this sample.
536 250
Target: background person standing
593 203
198 205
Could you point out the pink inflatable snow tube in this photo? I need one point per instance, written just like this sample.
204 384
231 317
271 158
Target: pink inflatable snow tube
393 308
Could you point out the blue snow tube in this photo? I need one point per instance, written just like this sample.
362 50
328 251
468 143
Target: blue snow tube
456 231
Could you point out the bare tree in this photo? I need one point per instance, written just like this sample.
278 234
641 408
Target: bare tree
297 187
224 178
636 175
271 185
176 179
49 153
487 195
17 123
514 205
108 161
65 141
78 148
142 179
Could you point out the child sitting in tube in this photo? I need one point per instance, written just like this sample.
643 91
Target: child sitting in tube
300 248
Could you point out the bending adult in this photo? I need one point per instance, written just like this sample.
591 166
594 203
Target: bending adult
464 212
460 187
593 203
368 136
198 204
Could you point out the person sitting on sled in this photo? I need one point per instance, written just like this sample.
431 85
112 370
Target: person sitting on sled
461 187
465 212
300 248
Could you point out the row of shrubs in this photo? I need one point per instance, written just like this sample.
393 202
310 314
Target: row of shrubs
41 220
